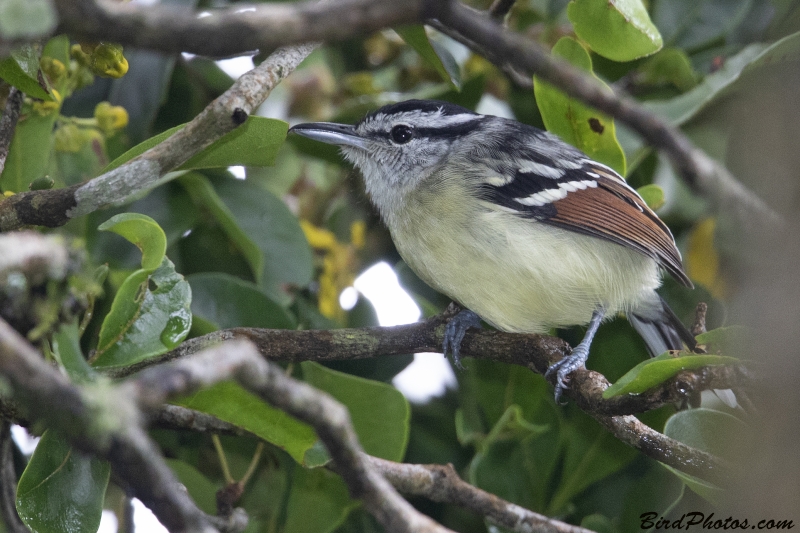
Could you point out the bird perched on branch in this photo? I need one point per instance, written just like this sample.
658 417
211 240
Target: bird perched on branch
523 230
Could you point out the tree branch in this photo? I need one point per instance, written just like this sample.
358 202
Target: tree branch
535 352
8 123
704 175
231 31
441 483
52 208
241 360
74 413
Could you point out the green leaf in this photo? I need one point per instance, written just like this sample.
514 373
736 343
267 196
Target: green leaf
21 69
227 301
230 402
29 153
582 127
693 24
591 454
669 66
322 491
142 231
149 316
650 373
653 195
61 490
380 413
707 430
680 109
267 222
435 55
67 350
728 340
203 193
620 30
255 143
199 487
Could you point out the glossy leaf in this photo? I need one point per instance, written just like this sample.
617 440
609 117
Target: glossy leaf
436 56
669 66
149 316
652 372
380 413
21 69
583 127
227 301
620 30
254 143
653 195
143 232
707 430
61 490
230 402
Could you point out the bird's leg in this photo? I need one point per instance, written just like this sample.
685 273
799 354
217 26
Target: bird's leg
578 357
454 333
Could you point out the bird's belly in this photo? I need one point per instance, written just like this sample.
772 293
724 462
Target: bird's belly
522 280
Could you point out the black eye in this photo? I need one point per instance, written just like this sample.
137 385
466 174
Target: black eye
401 134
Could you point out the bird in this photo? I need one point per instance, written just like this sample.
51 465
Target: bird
523 230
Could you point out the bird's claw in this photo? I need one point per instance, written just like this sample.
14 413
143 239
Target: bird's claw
454 333
563 368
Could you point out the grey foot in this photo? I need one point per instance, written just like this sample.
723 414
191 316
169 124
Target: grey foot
454 333
562 369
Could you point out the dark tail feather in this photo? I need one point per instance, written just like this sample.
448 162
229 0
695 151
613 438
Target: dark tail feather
660 328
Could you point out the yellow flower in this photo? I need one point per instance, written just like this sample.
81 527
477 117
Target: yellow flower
338 264
110 118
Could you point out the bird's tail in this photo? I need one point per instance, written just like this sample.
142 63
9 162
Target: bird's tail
660 328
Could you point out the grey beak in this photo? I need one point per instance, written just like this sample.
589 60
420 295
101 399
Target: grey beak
331 133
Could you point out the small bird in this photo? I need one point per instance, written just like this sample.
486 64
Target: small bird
523 230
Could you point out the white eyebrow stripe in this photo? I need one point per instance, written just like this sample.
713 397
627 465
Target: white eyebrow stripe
532 167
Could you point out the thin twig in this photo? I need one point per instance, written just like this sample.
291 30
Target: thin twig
8 123
56 207
441 483
223 461
704 175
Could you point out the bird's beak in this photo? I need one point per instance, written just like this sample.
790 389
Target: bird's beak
331 133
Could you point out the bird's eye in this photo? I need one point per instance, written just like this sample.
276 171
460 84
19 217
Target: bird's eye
401 134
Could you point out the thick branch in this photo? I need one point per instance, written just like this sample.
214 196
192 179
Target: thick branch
441 483
54 208
242 361
231 31
704 175
8 123
48 396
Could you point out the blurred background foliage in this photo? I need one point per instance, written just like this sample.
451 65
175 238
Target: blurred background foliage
269 232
